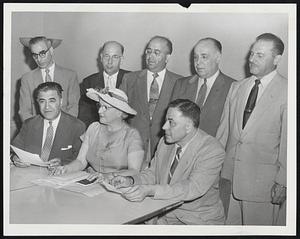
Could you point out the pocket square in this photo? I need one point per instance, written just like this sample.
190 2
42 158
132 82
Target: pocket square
69 147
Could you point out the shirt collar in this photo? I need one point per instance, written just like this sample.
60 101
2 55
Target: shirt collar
211 80
112 76
266 79
161 74
187 144
54 122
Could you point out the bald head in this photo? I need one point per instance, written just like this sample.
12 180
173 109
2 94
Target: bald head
207 56
111 56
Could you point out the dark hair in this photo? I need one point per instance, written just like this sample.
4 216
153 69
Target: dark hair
108 42
167 40
188 109
37 39
217 43
49 86
278 46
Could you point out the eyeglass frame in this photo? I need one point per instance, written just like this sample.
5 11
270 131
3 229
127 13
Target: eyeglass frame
41 54
107 57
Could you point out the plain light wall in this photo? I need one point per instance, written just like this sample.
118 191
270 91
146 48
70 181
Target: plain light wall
84 33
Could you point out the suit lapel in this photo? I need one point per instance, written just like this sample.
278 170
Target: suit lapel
38 132
191 91
38 78
264 102
57 74
119 78
166 163
59 135
142 92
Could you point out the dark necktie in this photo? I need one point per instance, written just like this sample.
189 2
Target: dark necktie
48 143
48 77
153 95
202 94
175 163
251 102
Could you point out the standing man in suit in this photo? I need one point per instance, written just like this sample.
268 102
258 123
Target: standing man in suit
111 55
149 92
42 50
186 167
209 87
53 134
254 131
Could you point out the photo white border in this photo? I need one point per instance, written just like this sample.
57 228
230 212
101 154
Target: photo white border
60 229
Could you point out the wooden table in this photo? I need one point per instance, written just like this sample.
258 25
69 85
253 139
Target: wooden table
32 204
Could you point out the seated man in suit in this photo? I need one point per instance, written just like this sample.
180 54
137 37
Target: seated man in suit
185 167
42 50
149 92
253 131
53 134
111 55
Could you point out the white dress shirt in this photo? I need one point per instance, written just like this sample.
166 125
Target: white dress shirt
110 81
46 125
264 82
209 83
51 72
159 79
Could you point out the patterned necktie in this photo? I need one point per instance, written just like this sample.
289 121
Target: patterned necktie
202 94
154 94
48 77
48 143
251 102
175 163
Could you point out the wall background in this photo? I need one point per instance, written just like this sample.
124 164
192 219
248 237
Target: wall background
84 33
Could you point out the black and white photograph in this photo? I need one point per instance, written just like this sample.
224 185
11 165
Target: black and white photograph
149 119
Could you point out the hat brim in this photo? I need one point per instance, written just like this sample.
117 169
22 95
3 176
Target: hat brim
54 42
118 104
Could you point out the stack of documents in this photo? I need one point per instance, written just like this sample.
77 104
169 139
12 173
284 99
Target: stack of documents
62 180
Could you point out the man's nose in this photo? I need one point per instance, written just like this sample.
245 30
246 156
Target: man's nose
165 126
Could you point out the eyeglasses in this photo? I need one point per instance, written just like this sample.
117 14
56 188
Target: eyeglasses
113 57
42 54
149 51
104 107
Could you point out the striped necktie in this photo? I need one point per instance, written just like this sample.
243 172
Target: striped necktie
251 102
48 77
48 143
153 95
175 163
202 94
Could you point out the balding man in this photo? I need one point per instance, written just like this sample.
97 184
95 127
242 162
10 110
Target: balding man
149 92
111 55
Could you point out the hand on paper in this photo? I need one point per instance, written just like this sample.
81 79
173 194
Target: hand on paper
19 163
60 170
121 181
53 164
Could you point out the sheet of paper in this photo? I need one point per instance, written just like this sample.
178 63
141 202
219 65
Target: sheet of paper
90 190
62 180
29 157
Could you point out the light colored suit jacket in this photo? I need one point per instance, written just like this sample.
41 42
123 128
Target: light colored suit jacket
211 112
30 81
256 155
66 143
135 86
195 180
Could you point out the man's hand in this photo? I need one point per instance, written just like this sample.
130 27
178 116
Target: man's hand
19 163
53 164
121 181
60 170
278 194
138 193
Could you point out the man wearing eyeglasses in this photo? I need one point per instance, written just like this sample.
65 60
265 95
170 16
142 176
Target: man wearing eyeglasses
149 92
42 50
110 75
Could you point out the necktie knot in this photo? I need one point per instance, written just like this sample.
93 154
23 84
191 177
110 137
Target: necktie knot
47 70
155 75
178 150
50 123
204 81
257 81
48 77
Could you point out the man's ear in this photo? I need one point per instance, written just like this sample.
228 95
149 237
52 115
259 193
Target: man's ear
167 57
277 60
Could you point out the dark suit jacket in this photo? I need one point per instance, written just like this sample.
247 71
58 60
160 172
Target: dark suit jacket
135 86
30 81
68 131
186 88
88 112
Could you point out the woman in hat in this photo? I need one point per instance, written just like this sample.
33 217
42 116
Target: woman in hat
110 145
